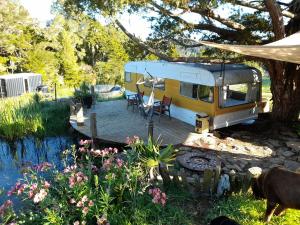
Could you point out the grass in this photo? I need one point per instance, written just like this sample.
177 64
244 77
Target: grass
248 211
29 115
266 91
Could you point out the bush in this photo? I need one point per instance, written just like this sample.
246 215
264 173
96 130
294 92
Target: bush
101 187
30 115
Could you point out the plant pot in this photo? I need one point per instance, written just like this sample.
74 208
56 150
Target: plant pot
88 101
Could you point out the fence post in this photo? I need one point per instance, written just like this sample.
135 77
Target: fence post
72 108
93 94
55 92
93 125
79 114
150 130
207 181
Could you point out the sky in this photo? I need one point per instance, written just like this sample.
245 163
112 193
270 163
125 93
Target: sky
135 24
40 9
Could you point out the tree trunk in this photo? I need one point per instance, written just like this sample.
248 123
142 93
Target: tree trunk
285 88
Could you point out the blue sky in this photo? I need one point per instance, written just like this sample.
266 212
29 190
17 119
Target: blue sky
40 9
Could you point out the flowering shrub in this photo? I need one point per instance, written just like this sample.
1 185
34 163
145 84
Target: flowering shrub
101 187
159 197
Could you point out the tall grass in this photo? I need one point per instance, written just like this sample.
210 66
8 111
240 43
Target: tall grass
29 115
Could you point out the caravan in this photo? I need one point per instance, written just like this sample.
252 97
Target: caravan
227 93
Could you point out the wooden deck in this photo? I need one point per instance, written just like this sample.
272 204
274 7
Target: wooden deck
115 122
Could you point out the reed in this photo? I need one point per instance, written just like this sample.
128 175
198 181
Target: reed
30 115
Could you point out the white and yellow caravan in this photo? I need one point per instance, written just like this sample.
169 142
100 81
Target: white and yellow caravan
228 94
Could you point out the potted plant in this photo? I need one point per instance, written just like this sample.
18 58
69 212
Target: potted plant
83 95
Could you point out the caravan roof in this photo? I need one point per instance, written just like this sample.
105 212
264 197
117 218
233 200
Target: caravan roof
198 73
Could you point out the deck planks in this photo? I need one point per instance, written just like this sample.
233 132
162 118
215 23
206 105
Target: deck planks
115 122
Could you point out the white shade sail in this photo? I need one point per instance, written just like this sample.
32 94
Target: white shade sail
286 49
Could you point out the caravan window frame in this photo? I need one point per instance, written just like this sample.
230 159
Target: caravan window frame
197 97
242 102
126 76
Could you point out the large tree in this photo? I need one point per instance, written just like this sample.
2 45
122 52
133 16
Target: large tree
244 22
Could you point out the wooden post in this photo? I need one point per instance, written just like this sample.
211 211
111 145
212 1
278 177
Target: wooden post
207 184
162 168
150 130
93 94
79 114
93 125
72 108
55 92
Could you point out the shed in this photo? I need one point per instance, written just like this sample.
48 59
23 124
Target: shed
18 84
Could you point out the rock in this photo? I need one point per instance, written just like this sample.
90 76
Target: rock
222 147
289 134
274 143
276 161
267 151
292 165
255 171
298 158
237 167
235 135
229 139
294 145
232 172
185 148
287 153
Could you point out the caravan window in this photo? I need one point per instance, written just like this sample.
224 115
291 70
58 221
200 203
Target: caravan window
160 83
127 77
206 93
196 91
188 90
238 94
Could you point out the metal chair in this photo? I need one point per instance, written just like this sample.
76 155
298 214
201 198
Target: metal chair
160 107
133 99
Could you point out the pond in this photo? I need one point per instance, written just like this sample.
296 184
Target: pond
27 152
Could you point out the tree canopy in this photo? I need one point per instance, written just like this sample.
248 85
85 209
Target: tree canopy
183 22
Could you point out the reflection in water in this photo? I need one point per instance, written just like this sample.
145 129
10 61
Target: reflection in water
27 152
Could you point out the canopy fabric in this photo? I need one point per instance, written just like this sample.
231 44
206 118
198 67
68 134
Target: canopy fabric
286 49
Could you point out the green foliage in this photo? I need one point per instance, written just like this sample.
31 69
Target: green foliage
69 66
16 32
247 211
29 115
152 155
102 186
43 62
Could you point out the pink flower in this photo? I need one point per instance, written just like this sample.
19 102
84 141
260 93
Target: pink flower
30 194
119 162
159 197
79 204
85 210
46 184
85 142
95 169
40 196
91 203
76 223
84 199
72 201
5 206
33 186
107 164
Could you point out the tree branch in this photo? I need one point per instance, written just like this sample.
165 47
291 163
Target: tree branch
276 17
227 34
162 55
262 8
